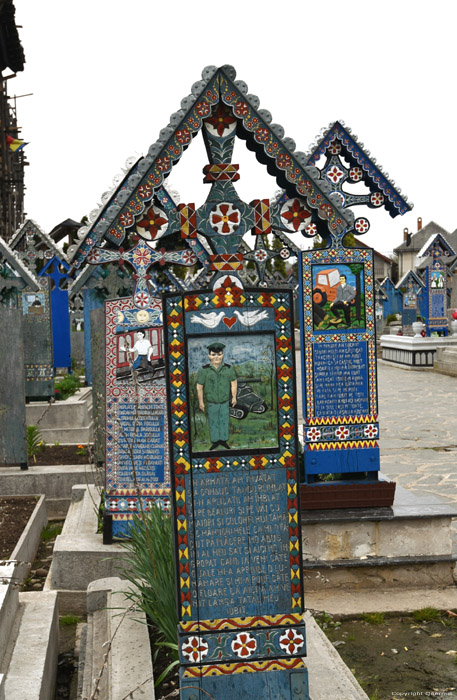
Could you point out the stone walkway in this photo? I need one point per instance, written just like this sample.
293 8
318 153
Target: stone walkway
418 427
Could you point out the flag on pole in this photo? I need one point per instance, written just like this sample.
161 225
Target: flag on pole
15 144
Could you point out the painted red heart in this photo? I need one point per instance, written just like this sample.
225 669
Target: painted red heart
229 321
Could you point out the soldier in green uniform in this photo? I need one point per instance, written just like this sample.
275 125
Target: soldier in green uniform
216 389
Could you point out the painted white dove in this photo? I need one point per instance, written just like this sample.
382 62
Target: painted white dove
250 318
209 320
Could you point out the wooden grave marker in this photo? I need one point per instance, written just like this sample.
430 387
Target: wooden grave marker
236 507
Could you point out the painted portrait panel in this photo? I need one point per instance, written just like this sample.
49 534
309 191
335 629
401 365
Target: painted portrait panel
140 349
232 390
338 297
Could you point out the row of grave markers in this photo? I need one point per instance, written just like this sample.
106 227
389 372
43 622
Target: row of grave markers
200 379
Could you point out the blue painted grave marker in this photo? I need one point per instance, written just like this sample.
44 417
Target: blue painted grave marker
236 509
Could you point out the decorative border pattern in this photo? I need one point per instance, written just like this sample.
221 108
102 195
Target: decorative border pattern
176 307
252 667
243 644
146 177
241 623
358 156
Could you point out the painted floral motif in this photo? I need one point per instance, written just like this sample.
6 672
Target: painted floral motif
183 136
221 121
311 230
342 433
356 174
163 164
188 257
141 300
202 109
244 645
260 255
334 174
377 199
126 219
370 431
291 641
284 253
225 218
262 134
335 148
241 109
153 224
313 434
284 161
294 215
93 257
144 191
195 649
361 225
141 256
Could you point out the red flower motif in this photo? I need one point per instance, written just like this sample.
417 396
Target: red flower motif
202 109
342 432
262 134
291 641
152 224
144 191
183 136
284 160
241 109
221 120
334 148
142 256
126 219
225 218
195 649
244 645
313 434
295 215
163 163
370 431
334 174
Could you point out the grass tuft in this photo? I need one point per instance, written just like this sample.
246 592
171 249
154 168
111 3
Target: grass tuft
374 618
426 615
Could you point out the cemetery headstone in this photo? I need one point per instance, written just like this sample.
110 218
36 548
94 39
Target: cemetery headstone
38 251
136 427
56 269
435 254
13 445
234 436
413 295
38 357
338 330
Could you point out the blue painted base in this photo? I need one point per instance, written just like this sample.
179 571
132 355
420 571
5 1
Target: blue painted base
342 461
240 685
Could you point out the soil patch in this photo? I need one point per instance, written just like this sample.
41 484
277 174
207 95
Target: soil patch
162 658
14 516
61 454
404 656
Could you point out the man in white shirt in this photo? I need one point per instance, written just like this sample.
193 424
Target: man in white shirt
144 349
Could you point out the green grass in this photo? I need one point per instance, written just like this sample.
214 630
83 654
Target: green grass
68 620
426 615
374 618
51 531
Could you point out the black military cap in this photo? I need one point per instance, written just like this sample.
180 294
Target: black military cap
216 347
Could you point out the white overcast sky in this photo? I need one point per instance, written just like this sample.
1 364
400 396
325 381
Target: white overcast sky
107 74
